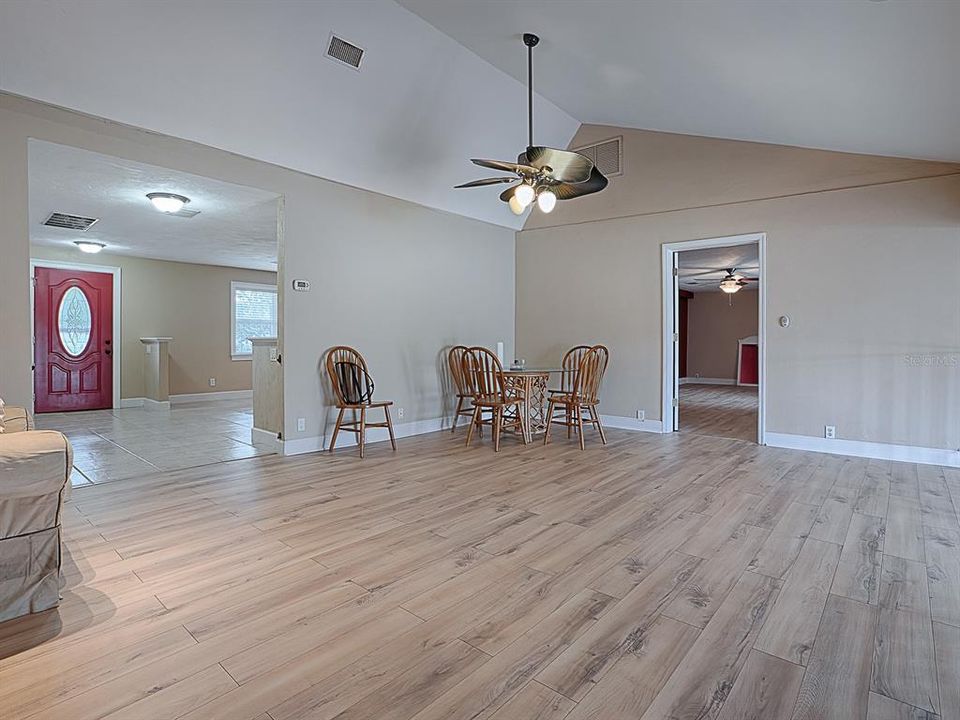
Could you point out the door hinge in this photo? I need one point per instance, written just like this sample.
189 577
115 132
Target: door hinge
676 272
676 337
676 402
279 359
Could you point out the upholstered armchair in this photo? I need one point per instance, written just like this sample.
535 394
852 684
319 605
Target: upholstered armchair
34 479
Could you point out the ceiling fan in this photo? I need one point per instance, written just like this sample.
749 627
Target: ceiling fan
542 173
731 282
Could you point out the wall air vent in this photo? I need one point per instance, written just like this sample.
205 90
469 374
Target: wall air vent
606 155
69 222
345 52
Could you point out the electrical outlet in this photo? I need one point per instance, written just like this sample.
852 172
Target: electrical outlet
830 432
213 382
301 424
641 415
400 413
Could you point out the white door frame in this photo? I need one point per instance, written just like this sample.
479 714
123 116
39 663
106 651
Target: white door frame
669 314
117 338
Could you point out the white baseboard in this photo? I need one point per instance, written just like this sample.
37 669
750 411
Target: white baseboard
860 448
265 440
706 381
300 446
131 402
628 423
218 395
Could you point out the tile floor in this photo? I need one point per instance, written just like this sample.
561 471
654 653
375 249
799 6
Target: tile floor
129 442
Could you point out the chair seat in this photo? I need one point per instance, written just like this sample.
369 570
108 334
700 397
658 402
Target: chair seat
370 404
497 400
569 399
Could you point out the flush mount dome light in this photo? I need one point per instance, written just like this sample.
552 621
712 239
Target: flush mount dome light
167 202
89 246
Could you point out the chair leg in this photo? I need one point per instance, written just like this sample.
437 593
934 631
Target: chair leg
473 423
497 420
596 421
393 440
524 424
456 413
336 429
363 430
579 411
546 431
566 412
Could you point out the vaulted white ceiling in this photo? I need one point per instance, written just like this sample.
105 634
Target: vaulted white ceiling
253 78
863 76
442 80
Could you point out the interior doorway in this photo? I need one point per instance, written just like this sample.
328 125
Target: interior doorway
714 349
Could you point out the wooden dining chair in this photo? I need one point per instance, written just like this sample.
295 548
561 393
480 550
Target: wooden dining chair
487 387
568 375
464 398
353 388
568 369
584 396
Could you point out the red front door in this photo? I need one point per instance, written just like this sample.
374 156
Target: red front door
73 343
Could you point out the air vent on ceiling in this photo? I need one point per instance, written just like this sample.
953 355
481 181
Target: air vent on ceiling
70 222
344 52
184 212
606 155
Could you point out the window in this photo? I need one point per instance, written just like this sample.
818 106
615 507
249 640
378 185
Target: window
253 313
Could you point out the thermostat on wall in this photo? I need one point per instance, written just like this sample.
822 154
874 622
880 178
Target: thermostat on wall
301 285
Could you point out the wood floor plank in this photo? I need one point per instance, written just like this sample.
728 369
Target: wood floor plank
904 661
883 708
858 572
942 548
837 681
629 687
535 702
947 640
766 689
620 631
700 684
904 534
791 626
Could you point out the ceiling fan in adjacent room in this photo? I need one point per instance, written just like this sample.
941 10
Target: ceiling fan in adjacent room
541 174
731 282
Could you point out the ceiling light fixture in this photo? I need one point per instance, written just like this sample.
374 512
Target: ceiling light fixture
729 285
89 246
545 174
167 202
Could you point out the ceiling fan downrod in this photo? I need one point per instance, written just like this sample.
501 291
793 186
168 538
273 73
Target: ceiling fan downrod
531 41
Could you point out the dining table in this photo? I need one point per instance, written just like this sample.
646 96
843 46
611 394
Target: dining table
533 384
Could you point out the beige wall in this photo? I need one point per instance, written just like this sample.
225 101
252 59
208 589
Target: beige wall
397 280
715 323
188 302
868 276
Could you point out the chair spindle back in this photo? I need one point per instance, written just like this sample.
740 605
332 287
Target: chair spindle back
483 373
570 366
593 365
348 374
455 362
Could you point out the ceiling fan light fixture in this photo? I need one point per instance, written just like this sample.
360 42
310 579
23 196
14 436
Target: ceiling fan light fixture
546 200
524 194
515 205
167 202
730 285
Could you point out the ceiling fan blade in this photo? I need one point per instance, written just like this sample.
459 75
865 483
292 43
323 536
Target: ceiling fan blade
508 193
684 272
517 168
564 166
486 181
568 191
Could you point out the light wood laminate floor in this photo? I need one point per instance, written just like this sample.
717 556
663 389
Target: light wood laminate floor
658 577
727 411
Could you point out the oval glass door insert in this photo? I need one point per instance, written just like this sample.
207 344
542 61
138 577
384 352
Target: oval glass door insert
74 321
